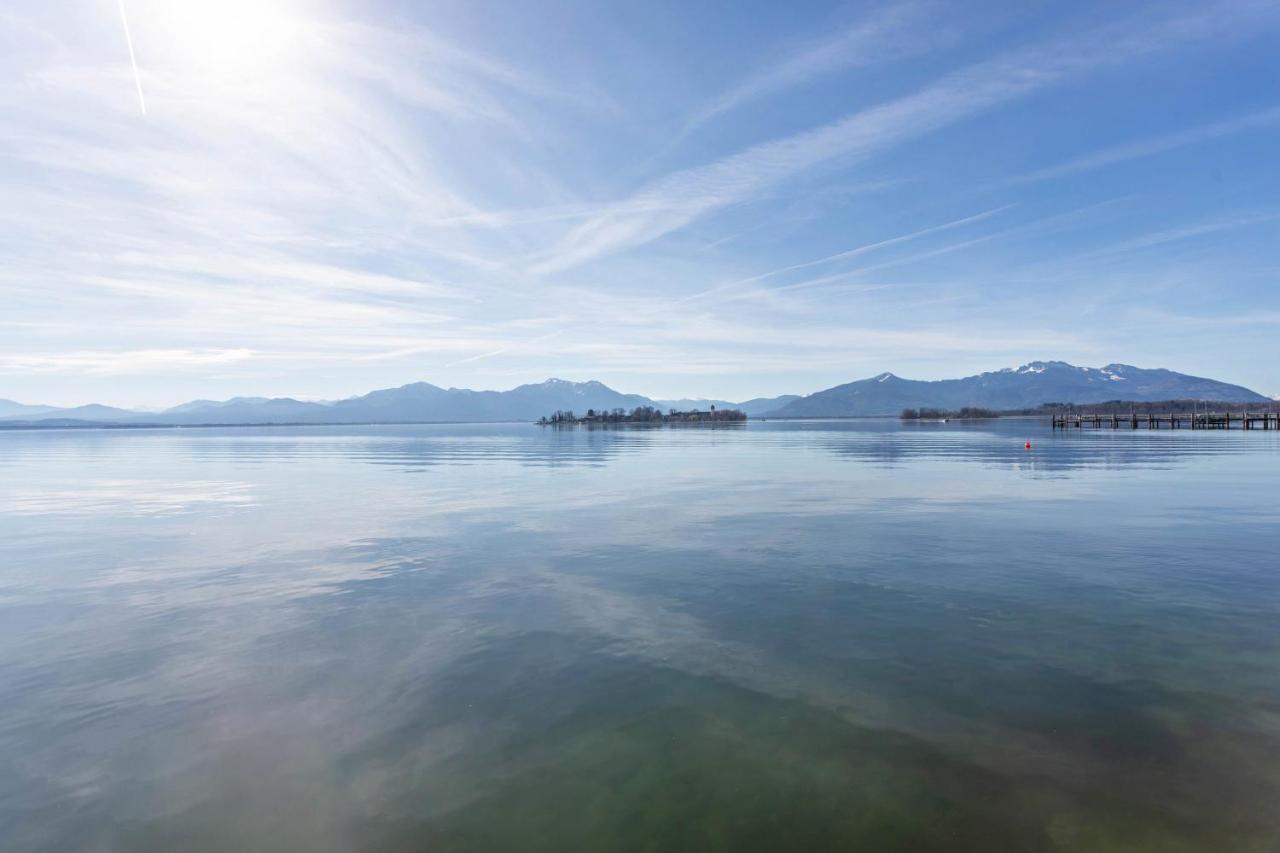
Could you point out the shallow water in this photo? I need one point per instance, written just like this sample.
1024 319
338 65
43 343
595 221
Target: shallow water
798 635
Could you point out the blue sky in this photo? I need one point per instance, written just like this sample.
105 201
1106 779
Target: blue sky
678 199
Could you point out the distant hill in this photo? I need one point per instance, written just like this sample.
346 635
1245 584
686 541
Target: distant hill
244 410
755 406
413 403
1013 388
10 409
92 412
423 402
886 394
763 405
211 404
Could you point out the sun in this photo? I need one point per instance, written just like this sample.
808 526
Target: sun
219 43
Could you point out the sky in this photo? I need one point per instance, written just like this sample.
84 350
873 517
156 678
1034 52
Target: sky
316 199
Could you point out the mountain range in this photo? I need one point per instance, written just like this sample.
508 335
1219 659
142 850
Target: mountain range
417 402
1022 387
886 394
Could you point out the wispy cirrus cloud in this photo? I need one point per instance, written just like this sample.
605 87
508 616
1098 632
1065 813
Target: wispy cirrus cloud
336 200
1083 264
893 32
848 254
858 251
1153 145
119 362
1185 232
687 195
664 308
285 214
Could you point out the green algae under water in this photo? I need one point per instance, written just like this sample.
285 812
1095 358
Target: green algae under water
809 635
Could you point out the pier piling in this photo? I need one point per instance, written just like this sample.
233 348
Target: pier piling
1173 420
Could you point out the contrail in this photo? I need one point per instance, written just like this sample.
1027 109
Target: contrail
137 78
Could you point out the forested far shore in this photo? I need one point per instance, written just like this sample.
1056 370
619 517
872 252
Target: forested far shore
1161 407
1110 407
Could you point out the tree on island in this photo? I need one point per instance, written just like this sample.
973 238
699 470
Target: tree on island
644 415
940 414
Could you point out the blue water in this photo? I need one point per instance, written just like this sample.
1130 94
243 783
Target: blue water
795 635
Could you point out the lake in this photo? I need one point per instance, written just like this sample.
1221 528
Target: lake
782 635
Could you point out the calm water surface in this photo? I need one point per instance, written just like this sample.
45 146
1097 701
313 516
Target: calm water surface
780 636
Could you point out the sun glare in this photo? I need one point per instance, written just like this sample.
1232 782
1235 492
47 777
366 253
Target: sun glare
220 42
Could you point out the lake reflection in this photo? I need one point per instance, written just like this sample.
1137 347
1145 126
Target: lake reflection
803 635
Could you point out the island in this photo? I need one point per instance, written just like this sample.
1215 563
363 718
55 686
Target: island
644 415
966 413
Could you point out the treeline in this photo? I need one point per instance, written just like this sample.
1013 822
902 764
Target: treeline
1111 407
939 414
643 415
1160 407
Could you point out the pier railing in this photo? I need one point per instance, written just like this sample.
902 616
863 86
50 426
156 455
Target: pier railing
1183 420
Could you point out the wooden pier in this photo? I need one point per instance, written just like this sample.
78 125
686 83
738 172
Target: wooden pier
1184 420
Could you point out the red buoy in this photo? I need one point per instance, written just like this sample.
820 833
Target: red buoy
1027 445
